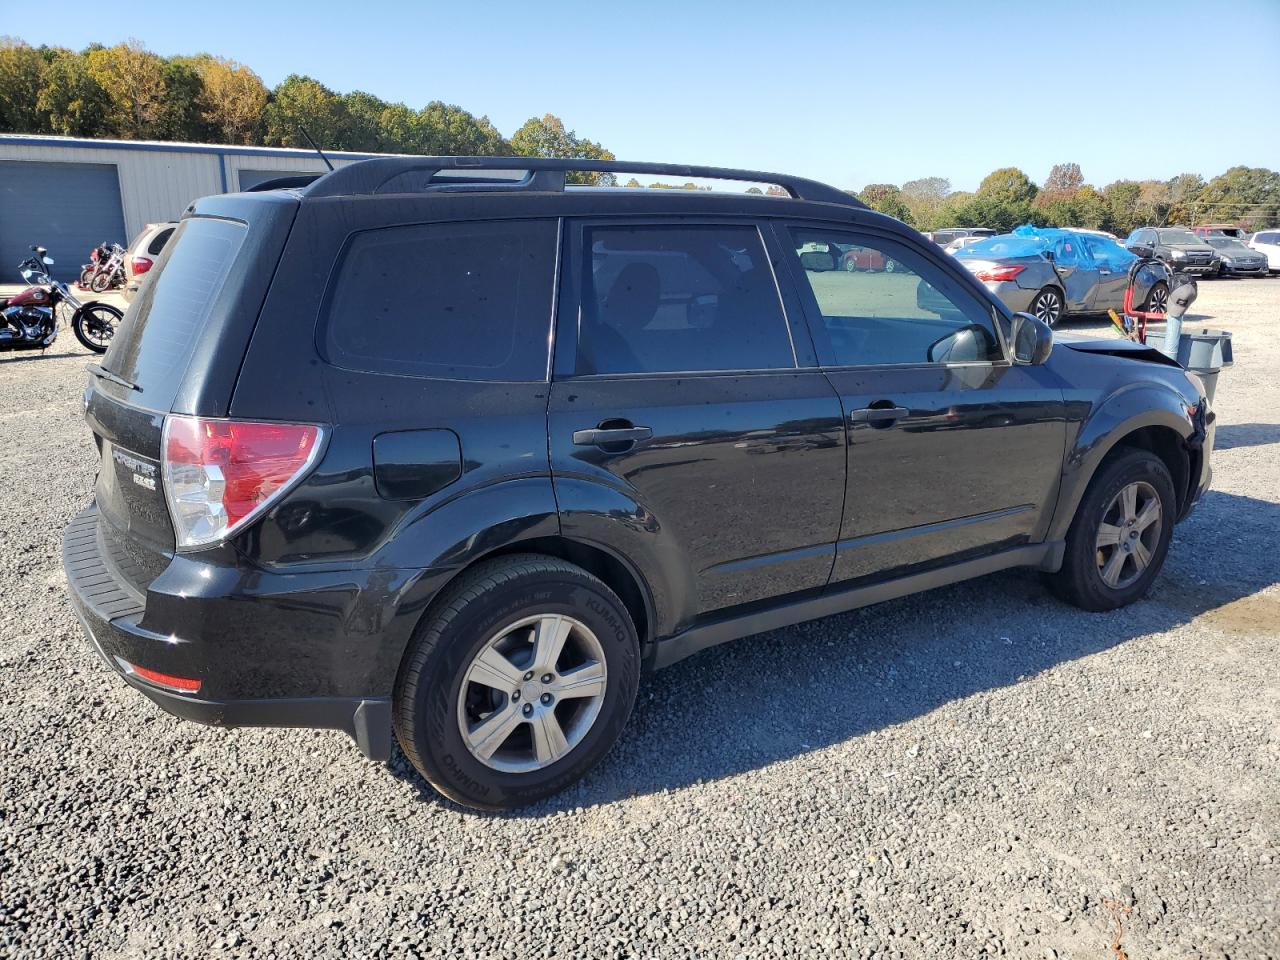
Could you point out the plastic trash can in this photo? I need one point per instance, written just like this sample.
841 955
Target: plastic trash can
1202 351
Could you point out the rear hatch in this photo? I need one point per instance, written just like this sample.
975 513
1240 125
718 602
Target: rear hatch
178 351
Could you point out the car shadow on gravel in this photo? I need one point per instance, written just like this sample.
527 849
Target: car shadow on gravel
1231 435
768 698
19 356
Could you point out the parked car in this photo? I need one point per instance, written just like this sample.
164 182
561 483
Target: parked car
1178 247
853 258
519 444
1053 273
959 243
947 234
1235 258
1206 230
143 253
1267 243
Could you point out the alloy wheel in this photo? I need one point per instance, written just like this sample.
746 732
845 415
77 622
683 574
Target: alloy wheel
1048 307
1128 534
532 693
1159 300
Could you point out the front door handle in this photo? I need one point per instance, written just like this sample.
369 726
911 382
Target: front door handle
879 415
599 436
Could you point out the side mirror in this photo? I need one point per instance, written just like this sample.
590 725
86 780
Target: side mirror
1032 339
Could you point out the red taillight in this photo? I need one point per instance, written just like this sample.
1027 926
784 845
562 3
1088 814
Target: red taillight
218 474
998 273
181 684
141 265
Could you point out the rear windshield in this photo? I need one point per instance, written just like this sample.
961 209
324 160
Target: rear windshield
1006 245
154 344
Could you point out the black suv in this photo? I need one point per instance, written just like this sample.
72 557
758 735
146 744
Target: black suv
1178 247
438 445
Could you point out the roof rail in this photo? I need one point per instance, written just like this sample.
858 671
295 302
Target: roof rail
420 174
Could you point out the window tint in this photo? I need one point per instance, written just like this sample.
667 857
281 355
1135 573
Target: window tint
679 299
158 241
883 303
154 345
462 301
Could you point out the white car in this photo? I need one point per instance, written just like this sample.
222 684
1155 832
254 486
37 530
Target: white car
961 242
1267 242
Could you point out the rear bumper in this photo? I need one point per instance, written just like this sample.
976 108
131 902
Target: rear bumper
112 616
1016 298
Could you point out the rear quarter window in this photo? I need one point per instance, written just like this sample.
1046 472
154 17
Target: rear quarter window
459 301
154 345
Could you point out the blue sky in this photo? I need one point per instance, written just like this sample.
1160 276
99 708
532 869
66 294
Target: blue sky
851 93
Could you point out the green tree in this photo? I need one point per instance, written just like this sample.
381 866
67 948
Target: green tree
1007 185
21 76
181 117
547 137
72 98
1249 196
1122 198
448 130
886 198
300 102
1089 209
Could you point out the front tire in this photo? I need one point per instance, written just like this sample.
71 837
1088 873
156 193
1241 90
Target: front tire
1120 536
1048 306
95 325
517 683
100 282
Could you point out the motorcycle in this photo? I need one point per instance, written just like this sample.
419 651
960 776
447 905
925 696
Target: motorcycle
97 256
29 319
110 272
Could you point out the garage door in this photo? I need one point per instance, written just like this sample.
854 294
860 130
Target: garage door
67 207
251 178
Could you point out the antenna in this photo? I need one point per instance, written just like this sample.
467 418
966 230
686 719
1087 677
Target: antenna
315 147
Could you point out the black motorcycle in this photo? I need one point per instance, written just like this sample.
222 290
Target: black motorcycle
29 319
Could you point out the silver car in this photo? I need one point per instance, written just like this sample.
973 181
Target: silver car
1053 273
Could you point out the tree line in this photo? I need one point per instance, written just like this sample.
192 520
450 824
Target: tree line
1246 196
127 92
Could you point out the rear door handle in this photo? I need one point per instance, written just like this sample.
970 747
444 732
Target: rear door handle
878 414
597 436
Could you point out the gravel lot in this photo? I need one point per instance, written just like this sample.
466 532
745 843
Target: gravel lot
979 769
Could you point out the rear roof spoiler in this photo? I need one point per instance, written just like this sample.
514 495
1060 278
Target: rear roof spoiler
540 174
284 183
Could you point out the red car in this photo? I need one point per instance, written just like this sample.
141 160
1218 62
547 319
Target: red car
862 259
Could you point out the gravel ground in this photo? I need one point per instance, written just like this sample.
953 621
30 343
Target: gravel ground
975 770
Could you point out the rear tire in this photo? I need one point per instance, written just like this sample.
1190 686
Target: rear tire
1115 549
1048 306
100 282
483 717
1157 298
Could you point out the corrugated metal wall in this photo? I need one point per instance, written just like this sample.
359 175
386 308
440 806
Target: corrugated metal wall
156 183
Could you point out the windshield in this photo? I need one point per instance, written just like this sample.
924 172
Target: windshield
1178 235
1225 243
1005 245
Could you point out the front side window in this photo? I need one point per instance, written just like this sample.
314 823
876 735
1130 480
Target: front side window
882 303
668 299
458 301
1070 252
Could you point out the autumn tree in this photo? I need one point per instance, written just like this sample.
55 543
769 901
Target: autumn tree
303 102
924 198
133 79
1064 178
232 99
1122 206
1246 195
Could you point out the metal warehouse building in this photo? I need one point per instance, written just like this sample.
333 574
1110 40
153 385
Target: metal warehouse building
70 195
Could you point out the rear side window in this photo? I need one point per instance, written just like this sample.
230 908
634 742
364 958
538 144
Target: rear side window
155 343
158 241
459 301
668 299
